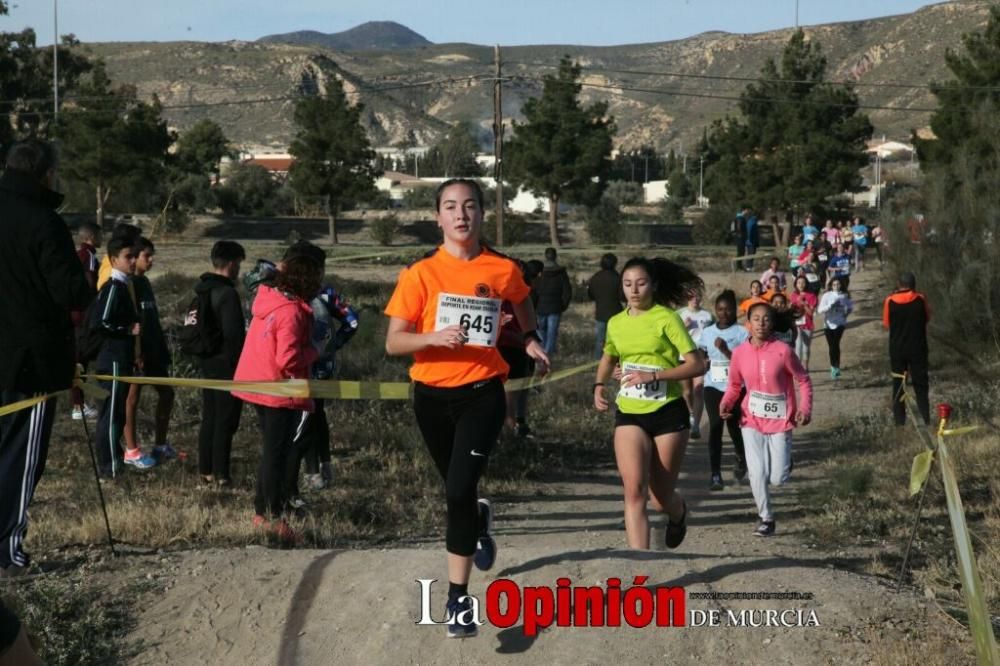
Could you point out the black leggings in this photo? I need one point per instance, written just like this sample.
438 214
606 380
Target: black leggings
713 398
278 425
460 426
833 336
916 365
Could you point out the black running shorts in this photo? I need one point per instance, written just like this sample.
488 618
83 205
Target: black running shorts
672 417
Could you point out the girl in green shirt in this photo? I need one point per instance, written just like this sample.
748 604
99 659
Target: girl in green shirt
652 422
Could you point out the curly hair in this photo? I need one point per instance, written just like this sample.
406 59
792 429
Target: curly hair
672 283
300 276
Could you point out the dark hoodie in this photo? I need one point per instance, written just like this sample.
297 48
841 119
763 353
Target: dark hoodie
229 313
555 291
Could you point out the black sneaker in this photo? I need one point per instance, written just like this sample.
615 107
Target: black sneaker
716 483
523 431
739 472
486 546
765 529
457 614
674 535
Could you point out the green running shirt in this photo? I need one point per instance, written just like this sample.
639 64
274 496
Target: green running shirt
655 338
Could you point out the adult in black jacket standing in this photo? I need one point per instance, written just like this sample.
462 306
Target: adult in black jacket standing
905 314
605 289
555 291
43 281
220 416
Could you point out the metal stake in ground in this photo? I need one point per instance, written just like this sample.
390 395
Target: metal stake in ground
913 534
100 491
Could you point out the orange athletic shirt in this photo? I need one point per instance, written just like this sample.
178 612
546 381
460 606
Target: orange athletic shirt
490 275
747 302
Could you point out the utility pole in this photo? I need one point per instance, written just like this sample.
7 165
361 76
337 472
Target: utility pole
647 169
701 183
796 14
55 60
498 143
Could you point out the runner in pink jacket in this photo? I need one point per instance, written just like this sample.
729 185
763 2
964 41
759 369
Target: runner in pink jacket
768 368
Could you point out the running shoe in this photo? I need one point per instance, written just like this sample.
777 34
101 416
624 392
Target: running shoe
77 414
739 471
765 529
674 535
136 458
834 373
716 483
486 546
296 502
455 628
164 452
326 471
91 412
695 431
277 528
523 431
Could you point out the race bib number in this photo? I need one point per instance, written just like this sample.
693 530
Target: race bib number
480 317
719 372
859 237
812 277
653 391
823 258
768 405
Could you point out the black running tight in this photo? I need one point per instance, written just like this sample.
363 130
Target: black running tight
460 426
833 336
713 398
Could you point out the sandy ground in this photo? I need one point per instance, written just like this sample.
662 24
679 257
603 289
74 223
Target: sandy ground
261 606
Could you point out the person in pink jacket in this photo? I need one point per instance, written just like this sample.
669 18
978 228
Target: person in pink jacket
768 368
278 347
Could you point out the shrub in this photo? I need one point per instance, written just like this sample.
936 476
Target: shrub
714 227
624 193
419 197
604 223
383 229
514 229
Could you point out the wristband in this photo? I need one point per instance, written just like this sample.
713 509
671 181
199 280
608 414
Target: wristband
596 384
532 335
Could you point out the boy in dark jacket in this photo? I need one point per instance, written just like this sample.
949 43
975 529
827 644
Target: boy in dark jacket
117 322
605 289
555 292
220 410
155 357
905 314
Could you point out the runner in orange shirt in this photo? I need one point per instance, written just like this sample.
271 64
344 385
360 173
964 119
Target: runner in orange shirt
445 311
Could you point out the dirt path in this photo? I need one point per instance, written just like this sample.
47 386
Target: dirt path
260 606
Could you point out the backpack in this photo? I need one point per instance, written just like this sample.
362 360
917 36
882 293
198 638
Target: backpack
89 339
201 333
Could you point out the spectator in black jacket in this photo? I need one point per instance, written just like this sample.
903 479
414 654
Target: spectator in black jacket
906 314
43 281
555 291
155 357
117 322
605 289
220 414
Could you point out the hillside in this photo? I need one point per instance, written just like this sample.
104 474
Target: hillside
365 37
239 80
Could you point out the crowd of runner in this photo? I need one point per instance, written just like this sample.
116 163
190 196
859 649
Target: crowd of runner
472 318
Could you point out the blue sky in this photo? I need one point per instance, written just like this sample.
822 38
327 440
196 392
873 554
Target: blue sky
587 22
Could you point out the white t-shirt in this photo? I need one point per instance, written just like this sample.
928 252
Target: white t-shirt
696 321
718 372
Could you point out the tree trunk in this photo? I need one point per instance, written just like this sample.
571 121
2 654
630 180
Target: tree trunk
100 204
554 219
331 216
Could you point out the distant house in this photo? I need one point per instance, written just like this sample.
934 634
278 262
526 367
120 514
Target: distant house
890 150
654 191
277 164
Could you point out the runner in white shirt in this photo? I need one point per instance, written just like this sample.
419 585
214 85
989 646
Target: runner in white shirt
696 319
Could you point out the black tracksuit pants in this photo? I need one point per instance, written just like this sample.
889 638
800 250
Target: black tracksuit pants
24 447
220 418
111 419
460 426
278 426
916 366
713 398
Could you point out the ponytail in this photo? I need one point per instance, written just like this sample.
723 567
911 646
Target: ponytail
672 283
727 296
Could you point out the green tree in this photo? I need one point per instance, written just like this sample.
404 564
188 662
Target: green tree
974 91
562 150
250 189
333 158
111 139
454 155
201 149
799 138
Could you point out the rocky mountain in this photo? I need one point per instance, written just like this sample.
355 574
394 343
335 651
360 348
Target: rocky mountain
365 37
660 93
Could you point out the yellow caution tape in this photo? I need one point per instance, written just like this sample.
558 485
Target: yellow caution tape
88 389
332 389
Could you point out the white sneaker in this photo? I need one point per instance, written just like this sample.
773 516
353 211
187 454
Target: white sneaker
77 414
90 412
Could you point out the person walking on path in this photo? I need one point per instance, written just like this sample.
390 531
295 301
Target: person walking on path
836 305
769 371
555 292
696 319
718 342
605 289
446 311
43 282
905 314
648 340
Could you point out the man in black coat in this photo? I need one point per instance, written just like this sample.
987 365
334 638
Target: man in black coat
555 292
42 281
605 289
